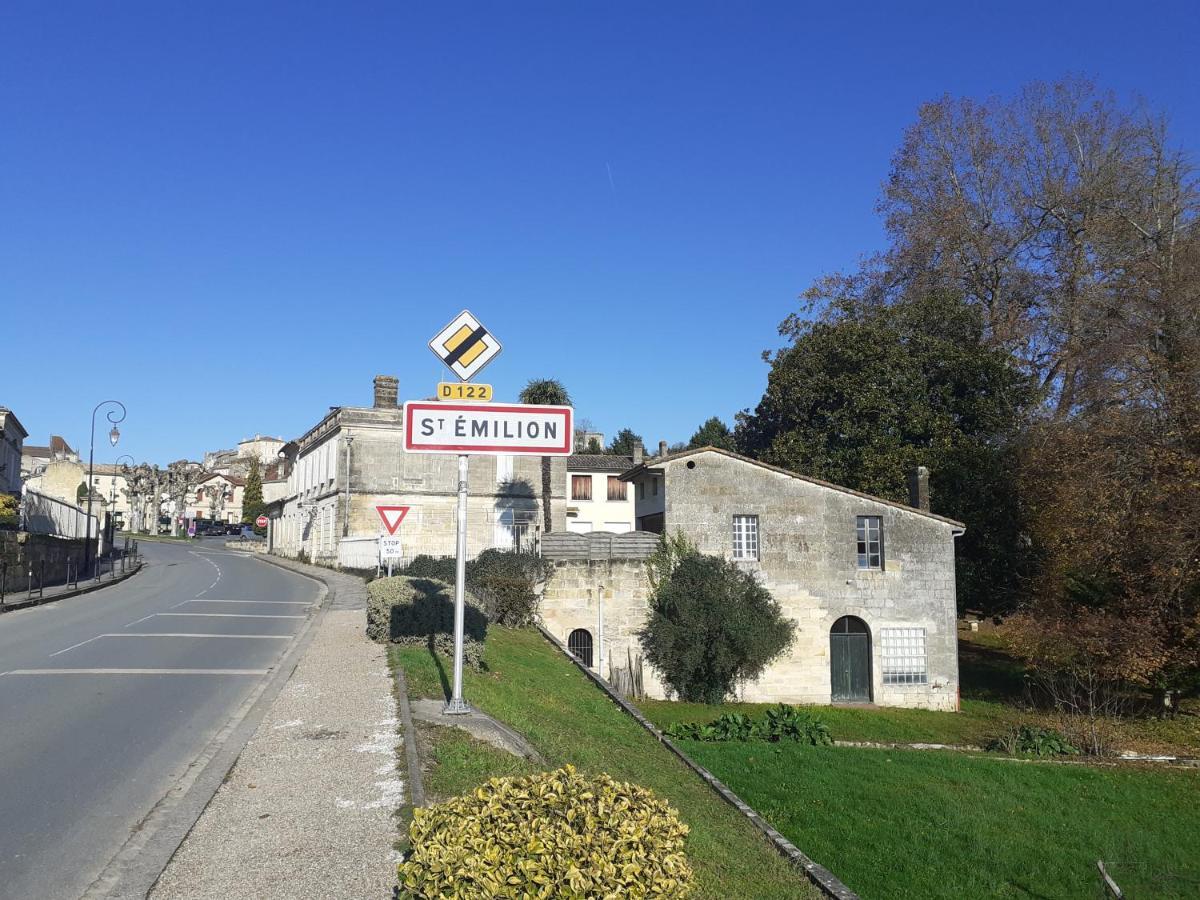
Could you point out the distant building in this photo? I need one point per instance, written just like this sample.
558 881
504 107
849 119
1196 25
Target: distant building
353 460
66 479
34 458
12 440
597 498
217 497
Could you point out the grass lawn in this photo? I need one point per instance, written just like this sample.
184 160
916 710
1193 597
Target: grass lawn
993 692
896 824
533 688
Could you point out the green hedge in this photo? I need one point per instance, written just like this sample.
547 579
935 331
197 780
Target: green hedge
503 581
554 835
420 612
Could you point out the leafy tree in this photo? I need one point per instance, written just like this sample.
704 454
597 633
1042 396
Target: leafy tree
9 510
862 400
712 625
81 492
546 392
713 433
622 444
252 496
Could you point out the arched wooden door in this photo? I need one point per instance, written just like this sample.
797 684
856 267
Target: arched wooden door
850 660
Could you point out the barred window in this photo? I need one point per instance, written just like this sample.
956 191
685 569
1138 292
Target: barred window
745 537
903 652
870 542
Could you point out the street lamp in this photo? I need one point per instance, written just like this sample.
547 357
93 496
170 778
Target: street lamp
113 436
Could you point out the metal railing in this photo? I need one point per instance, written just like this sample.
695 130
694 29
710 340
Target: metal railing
114 564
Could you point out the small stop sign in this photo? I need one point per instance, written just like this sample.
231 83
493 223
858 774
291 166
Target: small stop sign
261 521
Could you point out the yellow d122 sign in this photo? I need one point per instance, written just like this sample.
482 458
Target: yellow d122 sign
453 390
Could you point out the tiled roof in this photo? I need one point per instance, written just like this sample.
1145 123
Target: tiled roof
655 462
598 462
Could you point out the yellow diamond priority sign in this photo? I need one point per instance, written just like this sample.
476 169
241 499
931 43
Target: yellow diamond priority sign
465 346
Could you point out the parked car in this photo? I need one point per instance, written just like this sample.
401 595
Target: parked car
233 528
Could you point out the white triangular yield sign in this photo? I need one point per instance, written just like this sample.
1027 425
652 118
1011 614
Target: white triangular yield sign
392 516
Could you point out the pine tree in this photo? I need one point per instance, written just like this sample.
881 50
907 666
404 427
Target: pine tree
252 497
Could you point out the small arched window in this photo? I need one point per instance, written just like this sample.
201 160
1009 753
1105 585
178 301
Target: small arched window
579 643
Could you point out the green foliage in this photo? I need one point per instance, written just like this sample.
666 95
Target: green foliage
81 492
252 496
558 834
505 582
713 433
593 446
1035 741
9 510
545 392
671 549
501 581
622 444
711 625
780 723
419 612
439 568
863 397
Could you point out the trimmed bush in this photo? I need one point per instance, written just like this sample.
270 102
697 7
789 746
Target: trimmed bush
502 581
554 835
420 612
712 625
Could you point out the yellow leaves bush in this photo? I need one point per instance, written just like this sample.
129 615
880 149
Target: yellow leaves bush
553 835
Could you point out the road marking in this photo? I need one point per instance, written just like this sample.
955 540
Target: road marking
233 615
192 634
137 672
214 565
287 603
142 619
80 644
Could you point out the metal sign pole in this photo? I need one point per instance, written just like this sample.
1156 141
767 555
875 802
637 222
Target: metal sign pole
458 706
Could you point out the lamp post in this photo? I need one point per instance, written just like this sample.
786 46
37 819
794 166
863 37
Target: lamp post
113 436
112 483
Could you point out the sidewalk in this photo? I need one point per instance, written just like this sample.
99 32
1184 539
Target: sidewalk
307 811
14 600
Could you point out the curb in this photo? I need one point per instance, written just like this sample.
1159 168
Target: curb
136 867
416 787
66 595
824 880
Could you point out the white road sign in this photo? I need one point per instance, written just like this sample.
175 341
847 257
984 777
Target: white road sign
467 428
465 346
389 546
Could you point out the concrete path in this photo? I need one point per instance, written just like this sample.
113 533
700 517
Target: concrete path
308 810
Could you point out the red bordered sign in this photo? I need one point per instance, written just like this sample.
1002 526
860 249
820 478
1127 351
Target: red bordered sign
467 428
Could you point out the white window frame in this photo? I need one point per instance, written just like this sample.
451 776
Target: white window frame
745 538
868 559
903 656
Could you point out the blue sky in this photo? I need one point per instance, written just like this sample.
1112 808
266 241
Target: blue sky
231 216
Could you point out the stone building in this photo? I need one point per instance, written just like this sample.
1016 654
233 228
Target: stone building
353 460
217 497
65 479
12 438
868 582
34 457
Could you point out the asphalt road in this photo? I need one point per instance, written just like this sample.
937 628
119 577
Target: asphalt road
106 698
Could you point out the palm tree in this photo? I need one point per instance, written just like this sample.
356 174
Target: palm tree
545 392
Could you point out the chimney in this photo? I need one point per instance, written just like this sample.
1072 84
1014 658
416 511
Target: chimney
387 389
638 452
662 448
918 489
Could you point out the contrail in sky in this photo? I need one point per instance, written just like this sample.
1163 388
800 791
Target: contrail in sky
611 183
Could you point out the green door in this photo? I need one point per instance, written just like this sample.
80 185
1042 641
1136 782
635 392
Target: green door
850 661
